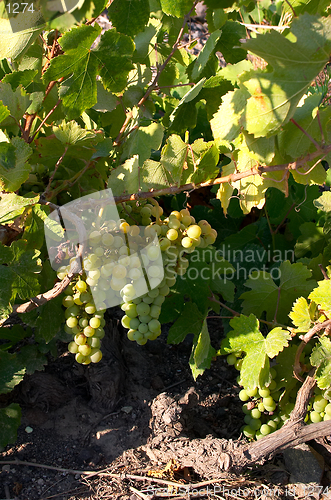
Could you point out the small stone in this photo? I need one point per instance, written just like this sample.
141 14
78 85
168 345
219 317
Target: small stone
5 468
302 465
28 429
40 482
127 409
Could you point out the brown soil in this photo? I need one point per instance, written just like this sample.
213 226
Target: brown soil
130 414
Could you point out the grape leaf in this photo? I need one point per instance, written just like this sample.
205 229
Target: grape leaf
70 133
80 65
17 274
16 101
4 112
16 39
11 371
129 17
202 352
205 364
265 295
300 56
324 202
180 119
176 8
322 294
292 141
229 43
14 169
225 190
321 358
23 78
204 54
284 369
142 141
246 337
190 321
227 122
312 240
125 178
10 418
300 315
31 357
267 99
49 320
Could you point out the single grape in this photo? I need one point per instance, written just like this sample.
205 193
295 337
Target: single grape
119 272
126 321
264 392
193 232
315 417
238 364
80 358
93 342
95 322
154 325
248 432
319 403
96 355
155 311
328 409
85 297
174 223
89 331
243 396
131 310
134 323
260 407
255 413
143 328
95 238
80 339
73 347
158 301
147 299
90 308
268 401
77 300
68 301
251 392
71 322
272 386
99 333
143 309
83 322
255 423
231 359
84 349
172 234
265 429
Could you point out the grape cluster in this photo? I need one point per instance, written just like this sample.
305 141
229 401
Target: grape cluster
83 322
264 412
178 234
133 261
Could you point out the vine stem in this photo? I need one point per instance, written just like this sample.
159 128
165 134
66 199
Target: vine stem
304 341
153 85
258 170
236 313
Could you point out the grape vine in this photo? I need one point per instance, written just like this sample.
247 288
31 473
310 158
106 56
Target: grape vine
130 109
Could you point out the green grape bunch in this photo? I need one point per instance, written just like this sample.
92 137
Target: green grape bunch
133 261
266 409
